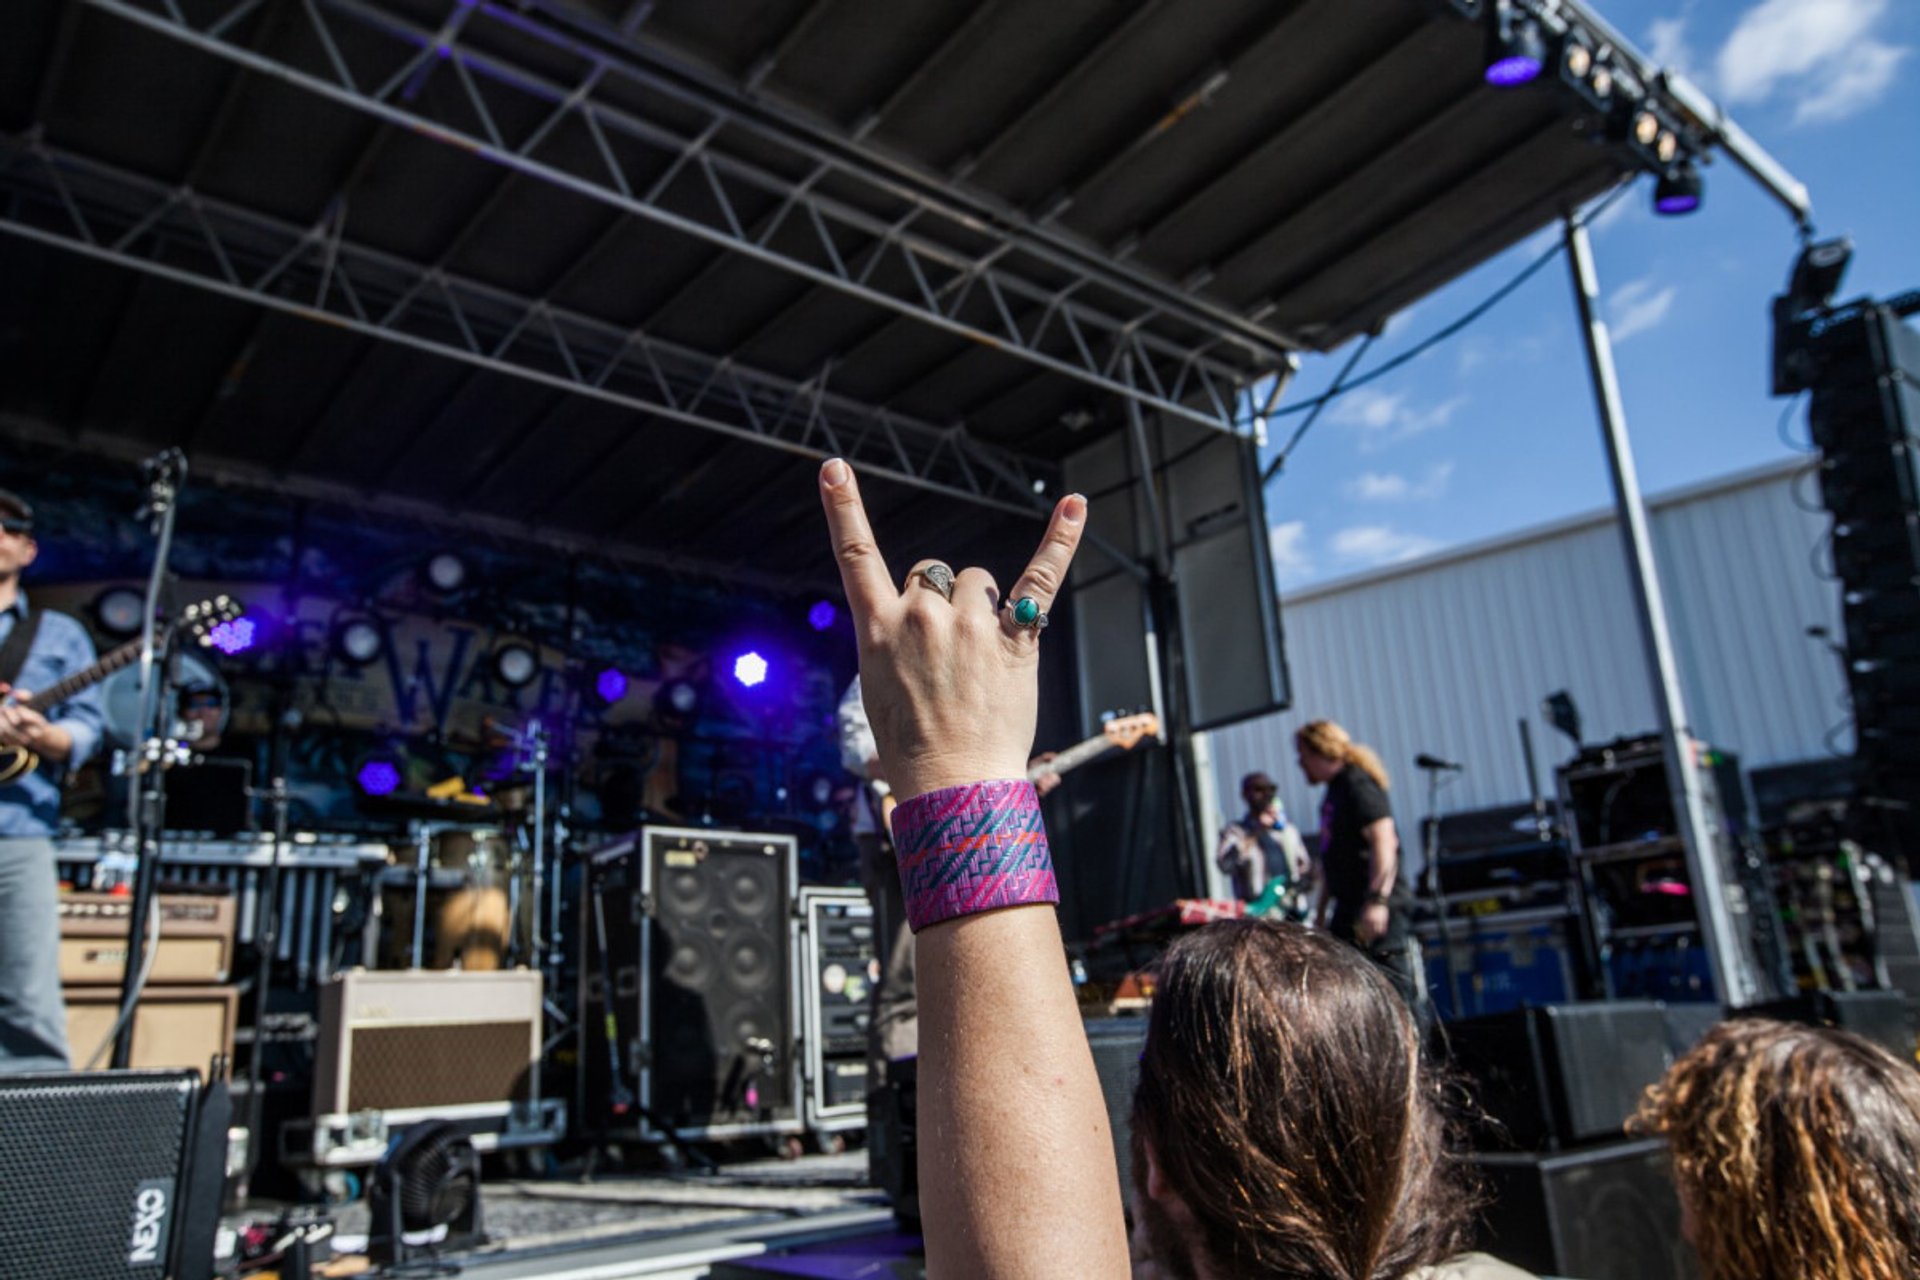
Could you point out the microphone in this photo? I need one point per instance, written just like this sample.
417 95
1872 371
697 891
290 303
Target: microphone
1425 761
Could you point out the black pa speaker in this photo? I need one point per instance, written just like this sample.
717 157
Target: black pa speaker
110 1175
1606 1213
1559 1075
1879 1016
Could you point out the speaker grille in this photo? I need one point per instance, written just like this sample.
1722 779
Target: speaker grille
75 1154
437 1065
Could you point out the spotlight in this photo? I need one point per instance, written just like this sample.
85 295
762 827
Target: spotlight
750 669
237 635
378 775
1817 273
1515 48
676 700
119 610
516 663
1586 70
1678 191
611 685
359 639
822 615
445 572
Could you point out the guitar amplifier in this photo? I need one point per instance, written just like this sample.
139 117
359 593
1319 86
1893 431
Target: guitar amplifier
838 967
196 938
173 1027
420 1043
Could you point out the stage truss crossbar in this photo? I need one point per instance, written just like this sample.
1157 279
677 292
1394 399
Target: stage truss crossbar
181 235
970 280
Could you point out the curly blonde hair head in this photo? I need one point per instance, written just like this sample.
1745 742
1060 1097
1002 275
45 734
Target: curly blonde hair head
1797 1153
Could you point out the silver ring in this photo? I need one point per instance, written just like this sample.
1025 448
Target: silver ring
1026 614
937 576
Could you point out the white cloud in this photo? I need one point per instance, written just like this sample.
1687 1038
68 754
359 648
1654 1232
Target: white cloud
1390 486
1367 545
1667 45
1823 54
1382 417
1637 306
1291 562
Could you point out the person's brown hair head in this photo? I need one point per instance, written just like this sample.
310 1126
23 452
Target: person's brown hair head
1796 1150
1325 738
1283 1093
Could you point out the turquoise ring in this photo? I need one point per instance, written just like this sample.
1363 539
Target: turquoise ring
1027 614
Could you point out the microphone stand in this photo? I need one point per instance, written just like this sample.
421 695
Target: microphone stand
165 473
1430 849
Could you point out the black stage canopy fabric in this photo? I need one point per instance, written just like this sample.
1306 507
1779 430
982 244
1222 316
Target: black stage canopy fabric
618 275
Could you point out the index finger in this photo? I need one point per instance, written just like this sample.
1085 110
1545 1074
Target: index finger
1047 571
863 571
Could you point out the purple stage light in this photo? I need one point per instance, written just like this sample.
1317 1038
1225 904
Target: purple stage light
750 669
233 637
821 616
379 777
611 685
1504 73
1685 202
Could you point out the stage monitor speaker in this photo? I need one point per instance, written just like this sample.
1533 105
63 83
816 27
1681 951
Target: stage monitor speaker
419 1043
1606 1213
111 1176
1879 1016
1117 1044
1206 486
700 935
1559 1075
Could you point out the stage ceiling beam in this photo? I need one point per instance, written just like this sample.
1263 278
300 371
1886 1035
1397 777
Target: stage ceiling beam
940 258
316 273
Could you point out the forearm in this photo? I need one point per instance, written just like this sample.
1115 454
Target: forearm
1014 1139
1383 860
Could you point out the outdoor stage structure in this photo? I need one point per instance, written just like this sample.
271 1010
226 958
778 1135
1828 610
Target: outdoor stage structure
608 280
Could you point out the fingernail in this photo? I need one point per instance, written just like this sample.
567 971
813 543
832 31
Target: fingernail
1073 508
835 473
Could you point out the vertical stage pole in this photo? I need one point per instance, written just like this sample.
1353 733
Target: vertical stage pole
1733 983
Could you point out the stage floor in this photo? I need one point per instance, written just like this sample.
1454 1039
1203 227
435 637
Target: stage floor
663 1226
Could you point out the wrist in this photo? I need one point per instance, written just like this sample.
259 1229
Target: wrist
1377 899
974 847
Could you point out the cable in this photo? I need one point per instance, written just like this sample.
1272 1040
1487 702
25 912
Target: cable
1794 487
1279 462
1780 428
151 950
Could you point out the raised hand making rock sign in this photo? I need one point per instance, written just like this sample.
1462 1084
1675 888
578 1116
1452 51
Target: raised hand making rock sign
1016 1162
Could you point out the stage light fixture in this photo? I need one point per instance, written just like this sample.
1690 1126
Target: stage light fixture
359 639
445 572
677 699
235 636
1516 51
1585 68
1817 273
611 685
378 775
119 610
821 617
750 669
1678 191
515 663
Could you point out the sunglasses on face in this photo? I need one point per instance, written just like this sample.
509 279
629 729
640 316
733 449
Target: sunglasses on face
16 526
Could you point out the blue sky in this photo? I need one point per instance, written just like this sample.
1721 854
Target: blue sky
1495 430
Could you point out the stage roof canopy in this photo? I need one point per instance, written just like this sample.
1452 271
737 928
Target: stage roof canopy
617 275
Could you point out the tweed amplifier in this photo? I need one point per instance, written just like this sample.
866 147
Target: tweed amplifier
431 1042
196 938
173 1027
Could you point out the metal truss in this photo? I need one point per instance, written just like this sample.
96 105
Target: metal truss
896 246
176 233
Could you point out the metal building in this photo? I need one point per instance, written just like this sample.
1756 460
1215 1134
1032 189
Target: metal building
1446 654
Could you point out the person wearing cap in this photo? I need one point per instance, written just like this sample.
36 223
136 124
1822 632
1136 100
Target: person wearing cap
38 648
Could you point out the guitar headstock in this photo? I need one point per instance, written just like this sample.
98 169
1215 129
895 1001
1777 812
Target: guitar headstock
203 618
1125 731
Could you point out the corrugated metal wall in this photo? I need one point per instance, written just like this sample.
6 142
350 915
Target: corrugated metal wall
1446 655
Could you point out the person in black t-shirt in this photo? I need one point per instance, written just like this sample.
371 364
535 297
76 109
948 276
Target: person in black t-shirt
1365 897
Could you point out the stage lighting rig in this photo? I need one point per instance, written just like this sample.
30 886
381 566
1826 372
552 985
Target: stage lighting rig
1516 49
515 663
358 639
1678 191
445 572
1586 66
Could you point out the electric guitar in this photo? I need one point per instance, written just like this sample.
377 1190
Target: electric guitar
1122 733
198 619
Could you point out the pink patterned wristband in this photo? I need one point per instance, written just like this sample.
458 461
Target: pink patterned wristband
972 848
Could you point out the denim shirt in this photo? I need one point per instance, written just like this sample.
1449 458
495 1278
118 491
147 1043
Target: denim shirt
30 805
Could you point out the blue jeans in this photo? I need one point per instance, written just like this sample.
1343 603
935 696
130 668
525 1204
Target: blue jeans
33 1016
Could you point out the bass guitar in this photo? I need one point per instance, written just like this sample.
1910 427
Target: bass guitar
197 619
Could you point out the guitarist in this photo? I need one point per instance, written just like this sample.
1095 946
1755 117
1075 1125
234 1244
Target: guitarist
1263 854
37 648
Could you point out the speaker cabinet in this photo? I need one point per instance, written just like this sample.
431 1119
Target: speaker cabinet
1117 1044
838 967
1879 1016
1606 1213
173 1027
196 939
1561 1074
699 948
419 1043
111 1176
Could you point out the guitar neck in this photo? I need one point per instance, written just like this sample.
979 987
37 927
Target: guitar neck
55 694
1073 757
